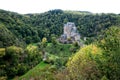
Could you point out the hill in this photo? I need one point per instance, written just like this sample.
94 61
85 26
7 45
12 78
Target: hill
56 60
27 40
31 28
7 38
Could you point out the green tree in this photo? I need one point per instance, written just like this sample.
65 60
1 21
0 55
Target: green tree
110 43
13 56
54 41
33 55
83 65
44 42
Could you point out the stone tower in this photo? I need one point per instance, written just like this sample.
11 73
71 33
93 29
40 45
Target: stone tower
70 32
69 29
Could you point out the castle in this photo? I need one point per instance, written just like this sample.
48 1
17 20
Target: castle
70 34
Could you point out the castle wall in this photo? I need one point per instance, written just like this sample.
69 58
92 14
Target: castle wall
70 31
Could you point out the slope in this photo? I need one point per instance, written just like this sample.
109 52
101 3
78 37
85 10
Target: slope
31 28
7 38
35 72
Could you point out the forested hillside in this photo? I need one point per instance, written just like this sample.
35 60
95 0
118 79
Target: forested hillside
31 28
27 40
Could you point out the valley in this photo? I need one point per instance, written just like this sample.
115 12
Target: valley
59 45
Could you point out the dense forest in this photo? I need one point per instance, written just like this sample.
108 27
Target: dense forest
26 38
31 28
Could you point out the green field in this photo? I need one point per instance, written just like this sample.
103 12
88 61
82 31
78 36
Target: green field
34 72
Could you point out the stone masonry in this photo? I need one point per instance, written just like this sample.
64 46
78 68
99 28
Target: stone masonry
70 34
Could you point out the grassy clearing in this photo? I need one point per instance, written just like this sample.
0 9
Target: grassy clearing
34 72
58 49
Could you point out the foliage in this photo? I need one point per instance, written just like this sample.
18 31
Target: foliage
104 78
83 65
2 52
110 43
44 42
90 62
16 61
33 56
7 38
100 61
11 61
54 41
35 73
61 50
32 28
56 62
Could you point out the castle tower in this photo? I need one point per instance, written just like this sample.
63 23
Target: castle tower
70 32
69 28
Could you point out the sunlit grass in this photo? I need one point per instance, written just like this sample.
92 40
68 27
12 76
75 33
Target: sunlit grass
34 72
